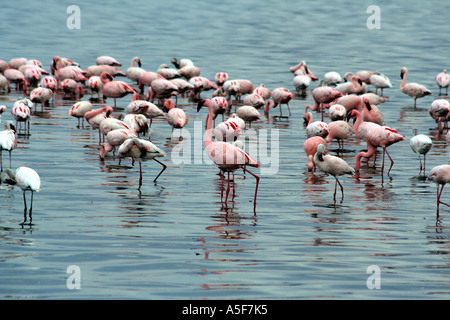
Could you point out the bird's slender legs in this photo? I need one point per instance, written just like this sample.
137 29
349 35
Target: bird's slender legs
164 168
25 209
335 189
256 189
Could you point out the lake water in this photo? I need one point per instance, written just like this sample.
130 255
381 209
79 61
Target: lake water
176 239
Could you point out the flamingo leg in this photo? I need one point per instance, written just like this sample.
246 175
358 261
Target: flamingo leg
392 161
439 197
164 168
420 165
256 188
140 175
289 109
31 207
342 189
25 208
228 188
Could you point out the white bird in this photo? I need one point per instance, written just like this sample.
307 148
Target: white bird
8 141
380 81
421 144
443 81
28 180
332 78
332 165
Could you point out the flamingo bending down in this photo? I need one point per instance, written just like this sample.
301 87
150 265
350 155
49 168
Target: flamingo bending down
441 176
220 78
421 144
332 165
41 95
375 136
115 138
107 60
310 147
372 113
439 110
180 63
314 128
96 85
220 106
21 112
264 92
354 86
138 123
141 150
176 117
337 112
113 88
63 72
380 81
4 84
332 78
339 130
17 77
279 96
79 109
144 107
248 114
227 157
414 90
49 82
8 141
443 81
95 118
324 95
70 86
28 180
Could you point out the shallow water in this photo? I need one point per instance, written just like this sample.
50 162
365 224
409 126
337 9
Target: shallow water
176 239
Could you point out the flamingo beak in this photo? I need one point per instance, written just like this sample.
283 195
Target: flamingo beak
199 105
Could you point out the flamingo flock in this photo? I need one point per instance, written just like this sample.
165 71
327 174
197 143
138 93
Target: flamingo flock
142 95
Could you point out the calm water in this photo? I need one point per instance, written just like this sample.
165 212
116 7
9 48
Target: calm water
175 239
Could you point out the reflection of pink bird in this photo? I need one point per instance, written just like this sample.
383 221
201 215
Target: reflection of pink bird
141 150
113 88
375 136
279 96
227 157
176 117
441 176
414 90
332 165
323 95
310 147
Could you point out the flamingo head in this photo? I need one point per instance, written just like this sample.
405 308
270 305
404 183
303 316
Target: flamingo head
106 77
402 72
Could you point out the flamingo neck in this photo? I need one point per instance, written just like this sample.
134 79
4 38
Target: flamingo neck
403 84
208 133
266 108
357 122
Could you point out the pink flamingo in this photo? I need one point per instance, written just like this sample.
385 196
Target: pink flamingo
279 96
354 86
364 75
98 70
323 95
107 60
161 89
441 176
350 102
201 84
332 78
228 131
182 87
248 114
113 88
65 62
3 66
115 138
176 117
49 82
221 77
95 118
227 157
443 81
264 92
254 99
134 71
17 77
371 113
138 123
413 90
144 107
32 75
332 165
181 63
79 109
68 72
375 136
439 111
141 150
220 106
4 84
339 130
8 141
337 112
314 128
374 98
41 95
71 87
146 78
310 147
96 85
380 81
109 124
16 63
21 113
167 72
188 72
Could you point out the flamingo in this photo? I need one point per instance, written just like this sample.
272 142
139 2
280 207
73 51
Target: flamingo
65 62
8 141
339 130
201 84
32 75
144 107
146 78
443 81
310 147
332 165
16 63
161 89
4 84
301 83
70 86
248 114
49 82
227 157
228 130
374 98
113 88
176 117
134 71
95 83
420 144
182 87
95 118
441 176
3 66
279 96
337 112
349 102
413 90
28 180
141 150
138 123
232 88
107 60
17 77
439 110
167 73
264 92
220 106
323 95
380 81
188 72
364 75
67 72
375 136
332 79
2 109
98 70
354 86
110 124
21 112
315 128
184 62
41 95
115 138
79 109
221 77
372 113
